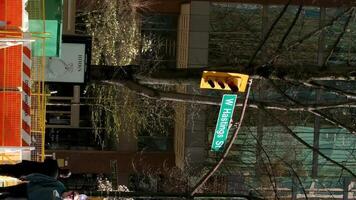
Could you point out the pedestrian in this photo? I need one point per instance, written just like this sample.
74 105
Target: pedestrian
49 167
39 187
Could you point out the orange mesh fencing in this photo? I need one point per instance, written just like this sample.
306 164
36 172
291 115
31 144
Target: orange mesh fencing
11 14
10 118
11 67
11 74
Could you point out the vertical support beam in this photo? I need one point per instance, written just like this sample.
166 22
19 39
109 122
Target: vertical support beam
69 9
350 187
320 59
260 119
75 108
294 187
259 161
315 164
321 43
199 27
198 52
345 193
114 173
265 25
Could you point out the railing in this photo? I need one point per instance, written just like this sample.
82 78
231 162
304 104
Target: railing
36 10
12 154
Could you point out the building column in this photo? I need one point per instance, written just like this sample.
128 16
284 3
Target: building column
199 26
320 61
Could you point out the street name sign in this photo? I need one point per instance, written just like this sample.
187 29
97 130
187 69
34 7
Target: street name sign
223 124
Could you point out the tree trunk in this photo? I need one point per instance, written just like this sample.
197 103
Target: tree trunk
189 76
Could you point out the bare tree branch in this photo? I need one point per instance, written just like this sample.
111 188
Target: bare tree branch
314 84
333 121
280 45
295 136
165 96
165 81
192 76
231 142
193 81
317 31
298 42
315 112
274 182
297 176
209 100
268 34
338 38
286 163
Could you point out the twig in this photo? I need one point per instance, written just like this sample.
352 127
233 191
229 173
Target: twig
314 84
309 35
298 178
227 150
294 172
281 43
267 35
315 112
272 178
280 46
295 136
333 121
338 39
274 182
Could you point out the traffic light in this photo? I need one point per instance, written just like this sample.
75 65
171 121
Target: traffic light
224 81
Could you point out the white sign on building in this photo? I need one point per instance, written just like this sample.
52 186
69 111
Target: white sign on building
69 67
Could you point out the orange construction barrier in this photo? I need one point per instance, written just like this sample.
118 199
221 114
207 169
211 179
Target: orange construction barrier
10 118
11 17
17 80
11 68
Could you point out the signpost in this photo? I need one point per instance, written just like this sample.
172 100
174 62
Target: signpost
223 124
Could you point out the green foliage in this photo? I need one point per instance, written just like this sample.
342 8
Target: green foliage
123 112
114 26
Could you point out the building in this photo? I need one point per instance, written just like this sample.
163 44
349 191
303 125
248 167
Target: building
189 43
201 29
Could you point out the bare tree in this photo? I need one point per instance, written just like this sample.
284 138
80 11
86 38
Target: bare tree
282 68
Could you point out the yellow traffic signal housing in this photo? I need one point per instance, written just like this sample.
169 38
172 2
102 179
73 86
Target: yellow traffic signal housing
224 81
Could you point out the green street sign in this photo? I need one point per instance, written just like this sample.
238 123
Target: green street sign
222 126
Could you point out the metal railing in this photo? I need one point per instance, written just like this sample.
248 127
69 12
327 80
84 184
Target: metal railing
36 10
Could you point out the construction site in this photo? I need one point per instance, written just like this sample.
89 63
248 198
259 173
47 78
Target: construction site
111 90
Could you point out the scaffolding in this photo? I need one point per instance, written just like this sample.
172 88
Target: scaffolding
22 76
